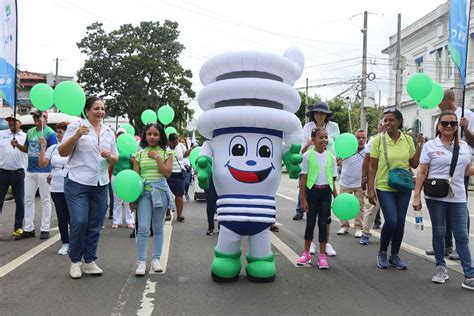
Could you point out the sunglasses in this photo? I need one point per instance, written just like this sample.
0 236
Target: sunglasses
390 109
446 123
38 116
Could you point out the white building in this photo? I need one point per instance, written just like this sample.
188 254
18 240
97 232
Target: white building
424 49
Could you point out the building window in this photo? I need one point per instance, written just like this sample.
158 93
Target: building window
419 64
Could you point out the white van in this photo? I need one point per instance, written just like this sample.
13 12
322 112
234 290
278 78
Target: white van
53 119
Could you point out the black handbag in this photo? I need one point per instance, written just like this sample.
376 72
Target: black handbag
442 187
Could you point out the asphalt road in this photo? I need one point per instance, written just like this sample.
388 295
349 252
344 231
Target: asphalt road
34 279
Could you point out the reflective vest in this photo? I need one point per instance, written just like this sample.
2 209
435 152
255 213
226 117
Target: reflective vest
313 170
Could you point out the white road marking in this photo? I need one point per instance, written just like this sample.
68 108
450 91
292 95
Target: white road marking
168 229
286 197
12 265
286 251
147 306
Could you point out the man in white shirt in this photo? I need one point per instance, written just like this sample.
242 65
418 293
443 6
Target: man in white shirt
12 171
350 182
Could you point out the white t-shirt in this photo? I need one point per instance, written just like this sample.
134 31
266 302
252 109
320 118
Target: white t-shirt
59 170
438 157
351 173
331 127
12 158
179 156
322 166
86 165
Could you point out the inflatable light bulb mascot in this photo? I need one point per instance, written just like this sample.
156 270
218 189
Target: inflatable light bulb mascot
249 104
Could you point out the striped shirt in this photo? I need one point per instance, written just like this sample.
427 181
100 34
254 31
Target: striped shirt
148 167
246 208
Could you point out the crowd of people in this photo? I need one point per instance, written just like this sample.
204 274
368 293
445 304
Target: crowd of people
77 164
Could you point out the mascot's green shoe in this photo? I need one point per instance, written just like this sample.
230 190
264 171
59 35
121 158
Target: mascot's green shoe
261 270
226 267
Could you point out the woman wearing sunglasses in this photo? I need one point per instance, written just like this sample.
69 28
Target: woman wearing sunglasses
435 163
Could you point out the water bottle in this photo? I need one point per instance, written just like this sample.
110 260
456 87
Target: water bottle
418 220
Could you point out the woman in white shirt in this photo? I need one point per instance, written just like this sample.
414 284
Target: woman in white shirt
91 147
56 183
435 163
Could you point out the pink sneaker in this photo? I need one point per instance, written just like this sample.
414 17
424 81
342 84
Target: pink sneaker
304 259
323 262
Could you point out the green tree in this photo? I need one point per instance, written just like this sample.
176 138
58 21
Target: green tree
138 66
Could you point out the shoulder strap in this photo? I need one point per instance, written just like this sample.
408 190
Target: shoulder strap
384 141
454 159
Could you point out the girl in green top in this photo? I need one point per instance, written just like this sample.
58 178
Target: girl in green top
154 163
401 153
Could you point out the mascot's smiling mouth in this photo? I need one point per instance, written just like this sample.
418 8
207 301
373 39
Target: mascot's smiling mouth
249 176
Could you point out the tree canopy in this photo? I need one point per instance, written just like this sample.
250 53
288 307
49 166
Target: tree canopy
138 67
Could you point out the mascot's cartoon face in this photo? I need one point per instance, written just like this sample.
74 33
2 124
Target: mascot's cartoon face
248 160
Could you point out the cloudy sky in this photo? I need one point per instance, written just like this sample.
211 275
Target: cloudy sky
328 32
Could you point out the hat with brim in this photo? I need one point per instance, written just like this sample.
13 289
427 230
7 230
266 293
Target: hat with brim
12 118
319 107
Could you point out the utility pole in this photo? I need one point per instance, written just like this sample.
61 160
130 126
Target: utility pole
398 78
56 77
306 102
364 72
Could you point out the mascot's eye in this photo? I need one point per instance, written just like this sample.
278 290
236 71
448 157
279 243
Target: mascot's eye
264 151
238 150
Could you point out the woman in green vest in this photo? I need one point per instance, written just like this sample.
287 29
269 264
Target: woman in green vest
319 171
392 150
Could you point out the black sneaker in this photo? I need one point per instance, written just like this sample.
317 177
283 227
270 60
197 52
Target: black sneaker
210 230
28 234
397 263
44 235
376 226
298 217
132 234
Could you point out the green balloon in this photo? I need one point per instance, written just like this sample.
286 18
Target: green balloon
129 128
170 130
434 98
41 96
345 145
128 185
346 206
69 97
148 116
165 114
193 155
419 86
126 144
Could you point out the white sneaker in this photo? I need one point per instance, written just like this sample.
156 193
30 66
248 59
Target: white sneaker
75 270
156 265
92 268
358 234
343 231
330 251
141 268
63 250
312 248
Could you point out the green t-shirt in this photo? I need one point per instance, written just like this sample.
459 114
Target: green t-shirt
398 154
124 163
148 167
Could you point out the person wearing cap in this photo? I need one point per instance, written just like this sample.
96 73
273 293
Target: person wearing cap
124 163
12 170
319 116
36 176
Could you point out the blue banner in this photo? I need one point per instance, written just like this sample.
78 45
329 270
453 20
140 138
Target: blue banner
8 51
459 11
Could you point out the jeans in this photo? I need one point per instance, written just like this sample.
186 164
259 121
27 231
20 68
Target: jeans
360 194
15 179
448 237
394 208
87 207
211 199
111 199
456 212
147 214
62 212
319 207
33 181
187 180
